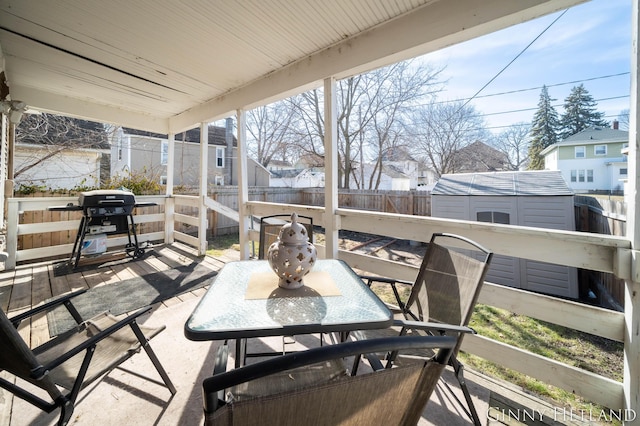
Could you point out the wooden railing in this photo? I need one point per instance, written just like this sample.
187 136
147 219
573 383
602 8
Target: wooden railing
602 253
590 251
51 235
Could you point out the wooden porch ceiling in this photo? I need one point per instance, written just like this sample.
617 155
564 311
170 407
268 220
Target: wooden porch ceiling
165 66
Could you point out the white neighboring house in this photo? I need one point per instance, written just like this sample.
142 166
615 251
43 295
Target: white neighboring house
296 178
393 178
68 169
591 160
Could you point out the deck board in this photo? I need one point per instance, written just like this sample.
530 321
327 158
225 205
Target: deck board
20 299
59 284
93 278
41 291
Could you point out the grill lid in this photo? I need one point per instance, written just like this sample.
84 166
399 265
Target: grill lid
106 197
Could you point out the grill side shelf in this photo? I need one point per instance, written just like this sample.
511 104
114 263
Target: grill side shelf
67 208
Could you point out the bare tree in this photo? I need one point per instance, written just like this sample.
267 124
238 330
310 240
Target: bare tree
441 129
623 120
514 143
371 110
270 129
57 133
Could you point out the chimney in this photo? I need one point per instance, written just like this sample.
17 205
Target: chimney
615 124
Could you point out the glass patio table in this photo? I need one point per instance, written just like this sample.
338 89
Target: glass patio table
244 301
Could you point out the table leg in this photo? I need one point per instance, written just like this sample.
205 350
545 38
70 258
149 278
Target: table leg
241 351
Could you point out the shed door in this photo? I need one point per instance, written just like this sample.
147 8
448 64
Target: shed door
504 270
552 213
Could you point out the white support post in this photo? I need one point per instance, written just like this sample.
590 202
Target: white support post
169 207
243 185
13 218
330 218
202 213
632 198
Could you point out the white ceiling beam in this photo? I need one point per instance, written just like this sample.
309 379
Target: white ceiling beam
424 30
73 107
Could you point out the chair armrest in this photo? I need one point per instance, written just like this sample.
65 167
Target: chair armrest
432 326
392 282
371 279
90 342
16 320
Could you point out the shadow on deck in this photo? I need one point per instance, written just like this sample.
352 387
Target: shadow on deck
127 396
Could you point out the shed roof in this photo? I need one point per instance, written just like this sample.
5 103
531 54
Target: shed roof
524 183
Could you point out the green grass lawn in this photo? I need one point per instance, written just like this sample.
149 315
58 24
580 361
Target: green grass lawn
571 347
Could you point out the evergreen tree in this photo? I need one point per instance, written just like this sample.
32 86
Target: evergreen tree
580 113
544 130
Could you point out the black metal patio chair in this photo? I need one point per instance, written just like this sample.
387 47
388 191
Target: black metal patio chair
64 365
445 292
314 386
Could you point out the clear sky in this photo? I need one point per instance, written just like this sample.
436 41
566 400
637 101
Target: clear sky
589 44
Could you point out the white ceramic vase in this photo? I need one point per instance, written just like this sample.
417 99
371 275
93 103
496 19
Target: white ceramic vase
293 255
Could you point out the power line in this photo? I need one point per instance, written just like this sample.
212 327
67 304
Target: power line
510 92
556 105
514 59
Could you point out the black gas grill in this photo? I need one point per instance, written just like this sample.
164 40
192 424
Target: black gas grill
105 212
106 203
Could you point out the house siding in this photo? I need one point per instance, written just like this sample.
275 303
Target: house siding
614 150
605 167
68 169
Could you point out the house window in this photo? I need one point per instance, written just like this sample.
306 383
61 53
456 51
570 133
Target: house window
219 180
164 152
580 175
493 217
580 151
623 172
163 180
219 157
600 150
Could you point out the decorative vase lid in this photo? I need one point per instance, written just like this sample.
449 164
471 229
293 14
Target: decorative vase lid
293 232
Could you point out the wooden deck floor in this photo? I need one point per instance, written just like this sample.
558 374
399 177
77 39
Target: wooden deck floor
31 284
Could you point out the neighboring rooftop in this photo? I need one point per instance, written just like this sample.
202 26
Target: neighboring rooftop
597 134
479 157
217 135
531 183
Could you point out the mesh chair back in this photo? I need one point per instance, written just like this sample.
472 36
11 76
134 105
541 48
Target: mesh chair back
381 398
449 280
395 396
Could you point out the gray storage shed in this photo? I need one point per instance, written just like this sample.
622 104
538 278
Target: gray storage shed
540 199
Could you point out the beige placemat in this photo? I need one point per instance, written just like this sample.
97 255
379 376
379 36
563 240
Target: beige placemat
264 285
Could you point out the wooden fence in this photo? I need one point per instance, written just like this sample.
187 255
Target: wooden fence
607 216
416 203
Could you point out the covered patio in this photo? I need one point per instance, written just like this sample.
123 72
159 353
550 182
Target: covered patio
132 394
119 64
